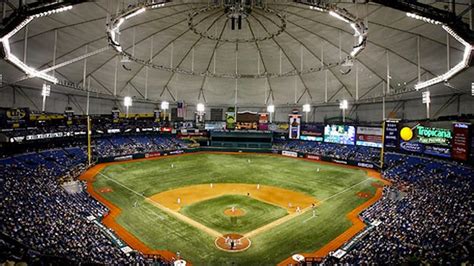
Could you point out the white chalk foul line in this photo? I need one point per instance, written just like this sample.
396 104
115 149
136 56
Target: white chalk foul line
133 191
291 216
178 215
213 232
340 192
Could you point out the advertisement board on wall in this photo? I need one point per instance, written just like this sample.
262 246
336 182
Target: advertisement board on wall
263 121
369 136
438 151
115 115
312 132
460 143
427 140
339 134
289 153
230 118
215 125
295 126
313 157
432 135
17 117
392 137
247 120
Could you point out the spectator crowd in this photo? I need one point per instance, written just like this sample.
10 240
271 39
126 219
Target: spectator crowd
123 145
335 151
38 214
426 215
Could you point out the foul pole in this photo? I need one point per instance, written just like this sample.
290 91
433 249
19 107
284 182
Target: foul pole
89 133
383 146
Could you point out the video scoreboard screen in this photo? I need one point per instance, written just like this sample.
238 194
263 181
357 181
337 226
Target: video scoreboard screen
340 134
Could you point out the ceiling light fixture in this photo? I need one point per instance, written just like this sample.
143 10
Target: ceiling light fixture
454 70
5 40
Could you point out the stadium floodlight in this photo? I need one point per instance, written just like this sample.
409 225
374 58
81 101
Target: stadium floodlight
426 99
307 108
271 108
127 102
165 105
343 105
200 108
45 92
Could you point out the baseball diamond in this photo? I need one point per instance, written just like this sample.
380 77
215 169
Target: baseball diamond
275 193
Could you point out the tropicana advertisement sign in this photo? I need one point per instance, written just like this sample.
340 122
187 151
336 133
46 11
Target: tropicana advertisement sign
427 135
430 135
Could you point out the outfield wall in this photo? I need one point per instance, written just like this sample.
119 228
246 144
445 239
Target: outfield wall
287 153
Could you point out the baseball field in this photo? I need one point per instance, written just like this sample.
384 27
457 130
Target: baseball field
277 206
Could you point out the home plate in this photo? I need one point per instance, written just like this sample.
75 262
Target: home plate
180 263
298 257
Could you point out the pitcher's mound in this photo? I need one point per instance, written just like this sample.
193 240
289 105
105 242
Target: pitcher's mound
224 242
236 213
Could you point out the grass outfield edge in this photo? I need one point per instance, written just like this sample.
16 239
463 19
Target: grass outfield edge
353 216
114 211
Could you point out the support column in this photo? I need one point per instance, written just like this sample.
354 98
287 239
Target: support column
388 72
88 95
55 51
418 57
428 110
326 86
296 88
357 80
4 11
84 73
301 58
116 75
280 60
172 51
448 52
383 102
25 44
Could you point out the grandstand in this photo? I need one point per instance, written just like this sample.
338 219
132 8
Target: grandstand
236 132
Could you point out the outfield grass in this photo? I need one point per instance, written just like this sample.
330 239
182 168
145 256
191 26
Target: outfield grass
334 185
211 213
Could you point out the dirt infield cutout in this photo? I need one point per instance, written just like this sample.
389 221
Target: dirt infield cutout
240 243
284 198
294 202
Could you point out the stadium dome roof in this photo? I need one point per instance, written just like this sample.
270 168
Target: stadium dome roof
283 53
